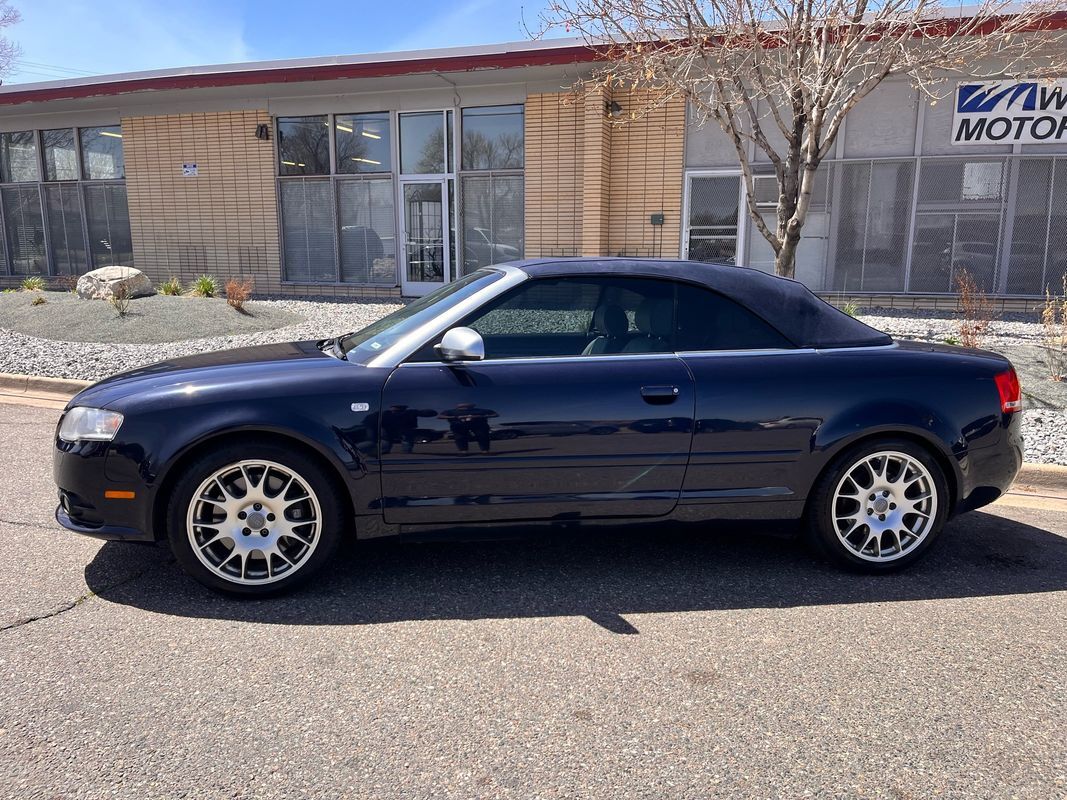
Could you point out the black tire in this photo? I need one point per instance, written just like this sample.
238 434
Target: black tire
325 486
820 527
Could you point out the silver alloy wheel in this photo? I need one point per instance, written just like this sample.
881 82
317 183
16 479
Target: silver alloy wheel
884 506
254 522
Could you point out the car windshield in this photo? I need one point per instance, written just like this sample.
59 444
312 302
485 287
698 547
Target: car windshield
364 344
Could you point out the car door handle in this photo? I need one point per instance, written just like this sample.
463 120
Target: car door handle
658 395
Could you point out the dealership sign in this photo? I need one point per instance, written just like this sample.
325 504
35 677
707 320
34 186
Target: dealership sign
1010 112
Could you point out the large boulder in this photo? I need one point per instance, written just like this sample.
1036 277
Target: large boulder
100 284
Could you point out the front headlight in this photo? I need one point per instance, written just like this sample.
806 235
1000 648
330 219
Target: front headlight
89 424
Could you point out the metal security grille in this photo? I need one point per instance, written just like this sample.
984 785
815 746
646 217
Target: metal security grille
307 229
367 230
65 234
24 228
712 225
870 214
492 219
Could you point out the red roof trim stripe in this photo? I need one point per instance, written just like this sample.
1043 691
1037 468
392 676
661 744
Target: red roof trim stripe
572 54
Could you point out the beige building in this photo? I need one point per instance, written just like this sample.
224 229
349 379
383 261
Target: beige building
388 174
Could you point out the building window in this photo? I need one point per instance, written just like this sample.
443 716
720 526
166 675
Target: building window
304 145
60 155
338 227
18 157
493 138
76 218
102 154
424 145
492 185
363 143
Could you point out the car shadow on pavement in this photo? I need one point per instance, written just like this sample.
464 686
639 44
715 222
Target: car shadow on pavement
598 573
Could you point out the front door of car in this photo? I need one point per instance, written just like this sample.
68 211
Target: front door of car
576 411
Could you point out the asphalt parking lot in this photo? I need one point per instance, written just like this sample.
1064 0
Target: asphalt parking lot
623 663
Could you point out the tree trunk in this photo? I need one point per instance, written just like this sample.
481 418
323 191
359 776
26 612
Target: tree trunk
785 260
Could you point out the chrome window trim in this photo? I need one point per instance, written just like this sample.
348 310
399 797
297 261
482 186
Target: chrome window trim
409 344
643 356
549 359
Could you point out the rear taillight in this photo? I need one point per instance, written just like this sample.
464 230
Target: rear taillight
1011 392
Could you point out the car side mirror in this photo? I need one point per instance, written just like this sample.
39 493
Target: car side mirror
461 344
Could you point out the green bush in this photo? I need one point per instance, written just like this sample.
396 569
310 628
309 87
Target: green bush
171 286
851 309
955 340
204 286
34 283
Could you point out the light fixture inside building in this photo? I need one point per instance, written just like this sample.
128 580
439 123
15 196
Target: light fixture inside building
112 134
366 160
344 128
614 110
369 135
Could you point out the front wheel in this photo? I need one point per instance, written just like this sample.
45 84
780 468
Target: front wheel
879 506
253 521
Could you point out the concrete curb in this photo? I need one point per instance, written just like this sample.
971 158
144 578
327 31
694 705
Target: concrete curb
1042 479
14 384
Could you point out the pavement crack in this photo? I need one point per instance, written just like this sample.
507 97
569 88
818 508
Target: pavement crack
69 605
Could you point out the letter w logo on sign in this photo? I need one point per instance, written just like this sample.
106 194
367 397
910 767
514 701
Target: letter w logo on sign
1010 112
979 97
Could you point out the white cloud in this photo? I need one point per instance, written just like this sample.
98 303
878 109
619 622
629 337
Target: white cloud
123 36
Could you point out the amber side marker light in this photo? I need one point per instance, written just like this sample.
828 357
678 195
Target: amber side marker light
115 494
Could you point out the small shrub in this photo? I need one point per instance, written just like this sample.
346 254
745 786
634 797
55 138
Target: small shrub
120 299
1054 334
34 283
851 308
171 286
204 286
65 283
976 308
237 292
38 301
953 340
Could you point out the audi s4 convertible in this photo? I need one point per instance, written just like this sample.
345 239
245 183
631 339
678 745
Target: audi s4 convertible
558 391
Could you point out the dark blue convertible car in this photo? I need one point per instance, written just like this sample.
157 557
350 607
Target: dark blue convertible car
560 391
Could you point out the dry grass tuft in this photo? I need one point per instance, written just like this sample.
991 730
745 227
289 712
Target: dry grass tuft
237 292
976 308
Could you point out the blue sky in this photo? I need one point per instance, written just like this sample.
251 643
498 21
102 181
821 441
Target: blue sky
65 38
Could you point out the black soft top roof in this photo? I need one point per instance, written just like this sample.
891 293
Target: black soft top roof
789 306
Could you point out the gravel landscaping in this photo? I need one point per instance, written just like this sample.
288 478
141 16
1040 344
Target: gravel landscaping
150 320
63 347
55 358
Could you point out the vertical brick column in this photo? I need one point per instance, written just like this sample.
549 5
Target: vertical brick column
596 174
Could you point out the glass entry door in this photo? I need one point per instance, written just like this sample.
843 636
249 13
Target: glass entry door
425 235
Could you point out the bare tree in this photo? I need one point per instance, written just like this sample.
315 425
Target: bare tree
9 50
780 76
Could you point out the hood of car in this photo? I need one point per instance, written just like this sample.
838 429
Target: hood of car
267 364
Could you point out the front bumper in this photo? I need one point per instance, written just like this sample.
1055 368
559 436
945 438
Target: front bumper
110 533
80 475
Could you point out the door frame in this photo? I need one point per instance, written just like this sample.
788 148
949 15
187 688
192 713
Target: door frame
410 288
741 258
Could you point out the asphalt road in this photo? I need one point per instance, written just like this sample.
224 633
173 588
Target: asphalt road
661 663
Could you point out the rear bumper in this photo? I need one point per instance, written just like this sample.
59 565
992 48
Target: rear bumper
110 533
989 472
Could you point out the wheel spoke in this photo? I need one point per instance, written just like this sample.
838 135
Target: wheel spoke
888 522
215 513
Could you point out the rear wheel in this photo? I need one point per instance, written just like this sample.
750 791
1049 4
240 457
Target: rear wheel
879 506
254 521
